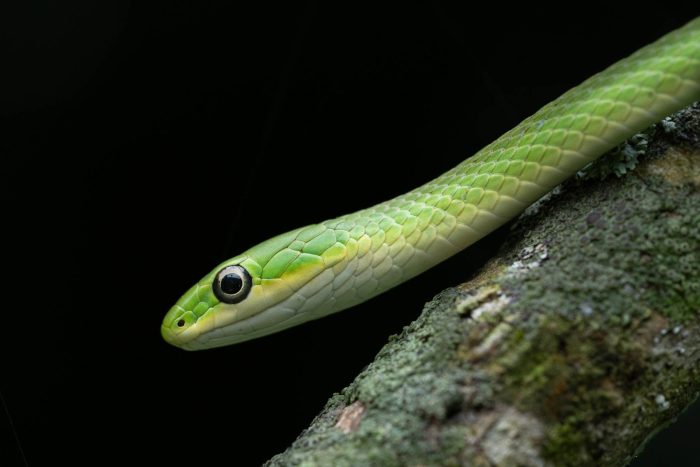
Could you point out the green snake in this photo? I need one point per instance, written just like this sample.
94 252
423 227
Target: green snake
327 267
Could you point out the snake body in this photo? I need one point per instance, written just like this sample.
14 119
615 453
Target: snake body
327 267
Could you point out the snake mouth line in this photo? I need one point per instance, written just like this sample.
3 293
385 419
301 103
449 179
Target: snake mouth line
245 329
275 317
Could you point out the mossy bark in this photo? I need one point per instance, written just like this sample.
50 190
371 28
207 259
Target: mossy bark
573 346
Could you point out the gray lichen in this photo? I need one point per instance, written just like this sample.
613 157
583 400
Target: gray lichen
621 160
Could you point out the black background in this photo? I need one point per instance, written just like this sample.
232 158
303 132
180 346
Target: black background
143 143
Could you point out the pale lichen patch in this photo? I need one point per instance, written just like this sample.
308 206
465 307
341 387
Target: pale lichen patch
677 167
491 343
661 402
482 295
515 439
350 417
491 307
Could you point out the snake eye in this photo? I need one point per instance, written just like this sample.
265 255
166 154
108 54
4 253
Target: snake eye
232 284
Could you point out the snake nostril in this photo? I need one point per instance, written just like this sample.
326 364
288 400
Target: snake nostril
180 323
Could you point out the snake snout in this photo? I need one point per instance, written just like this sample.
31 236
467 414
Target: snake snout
176 324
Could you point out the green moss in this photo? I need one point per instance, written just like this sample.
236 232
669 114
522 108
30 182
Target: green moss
565 440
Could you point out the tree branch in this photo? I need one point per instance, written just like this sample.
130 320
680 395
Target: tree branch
573 346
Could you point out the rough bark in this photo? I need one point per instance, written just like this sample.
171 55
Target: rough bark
573 346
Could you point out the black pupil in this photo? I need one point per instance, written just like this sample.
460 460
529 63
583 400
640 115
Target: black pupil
231 284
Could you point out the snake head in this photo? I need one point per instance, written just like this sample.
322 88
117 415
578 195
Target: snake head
200 309
272 286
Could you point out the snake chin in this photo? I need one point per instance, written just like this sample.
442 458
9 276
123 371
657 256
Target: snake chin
269 321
